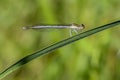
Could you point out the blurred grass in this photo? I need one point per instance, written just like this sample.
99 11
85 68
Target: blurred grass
92 58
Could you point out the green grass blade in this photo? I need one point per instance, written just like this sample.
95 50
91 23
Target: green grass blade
28 58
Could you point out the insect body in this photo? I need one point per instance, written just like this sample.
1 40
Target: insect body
73 27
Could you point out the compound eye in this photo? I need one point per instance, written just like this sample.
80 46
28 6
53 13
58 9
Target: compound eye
82 26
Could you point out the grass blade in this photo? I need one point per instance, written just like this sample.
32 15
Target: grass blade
28 58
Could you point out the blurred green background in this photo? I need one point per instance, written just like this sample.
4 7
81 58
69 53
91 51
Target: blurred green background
93 58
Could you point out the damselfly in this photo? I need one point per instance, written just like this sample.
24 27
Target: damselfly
73 27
